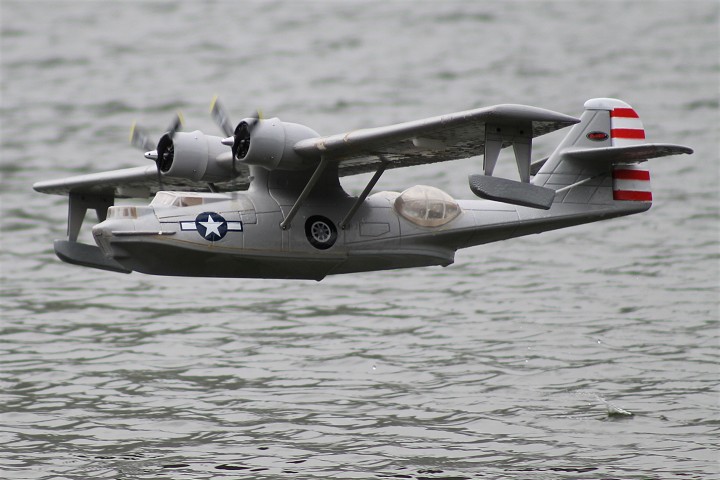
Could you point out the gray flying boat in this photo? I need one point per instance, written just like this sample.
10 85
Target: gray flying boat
265 201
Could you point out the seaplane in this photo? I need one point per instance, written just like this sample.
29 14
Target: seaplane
264 200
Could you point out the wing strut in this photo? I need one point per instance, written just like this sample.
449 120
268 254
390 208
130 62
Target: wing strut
519 136
371 184
324 160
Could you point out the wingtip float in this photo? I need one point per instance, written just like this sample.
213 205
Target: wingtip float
265 201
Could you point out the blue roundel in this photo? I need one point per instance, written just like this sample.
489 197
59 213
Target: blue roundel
211 226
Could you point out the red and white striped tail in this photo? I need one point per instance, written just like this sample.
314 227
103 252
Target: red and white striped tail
631 183
626 128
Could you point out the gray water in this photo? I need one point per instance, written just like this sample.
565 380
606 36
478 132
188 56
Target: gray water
588 353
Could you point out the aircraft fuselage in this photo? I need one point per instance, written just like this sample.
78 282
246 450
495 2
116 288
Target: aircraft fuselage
239 234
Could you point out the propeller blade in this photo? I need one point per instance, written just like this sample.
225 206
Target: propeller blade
256 117
176 124
161 153
140 139
159 176
220 116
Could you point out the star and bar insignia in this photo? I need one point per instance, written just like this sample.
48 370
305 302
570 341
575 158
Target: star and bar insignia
211 226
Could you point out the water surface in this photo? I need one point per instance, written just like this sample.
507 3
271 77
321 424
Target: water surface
590 352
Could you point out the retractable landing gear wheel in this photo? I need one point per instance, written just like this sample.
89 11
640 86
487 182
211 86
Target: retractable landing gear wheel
320 232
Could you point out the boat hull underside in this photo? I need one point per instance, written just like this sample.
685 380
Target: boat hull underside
162 258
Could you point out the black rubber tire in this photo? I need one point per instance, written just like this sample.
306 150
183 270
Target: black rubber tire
320 232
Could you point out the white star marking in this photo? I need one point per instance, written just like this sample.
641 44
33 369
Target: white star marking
211 226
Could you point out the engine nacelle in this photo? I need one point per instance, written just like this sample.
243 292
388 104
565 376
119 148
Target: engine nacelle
270 144
195 156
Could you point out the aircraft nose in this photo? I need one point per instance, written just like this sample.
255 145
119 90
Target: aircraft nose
102 229
123 222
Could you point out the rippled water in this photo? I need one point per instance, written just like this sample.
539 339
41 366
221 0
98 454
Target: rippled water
584 353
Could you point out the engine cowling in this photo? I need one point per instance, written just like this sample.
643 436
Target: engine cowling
265 143
195 156
269 144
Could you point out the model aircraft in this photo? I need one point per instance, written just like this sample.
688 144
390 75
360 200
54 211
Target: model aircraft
265 201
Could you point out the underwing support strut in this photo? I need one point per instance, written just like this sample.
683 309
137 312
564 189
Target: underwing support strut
519 136
306 191
368 188
78 205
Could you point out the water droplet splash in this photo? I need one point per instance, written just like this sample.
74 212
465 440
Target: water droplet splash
613 411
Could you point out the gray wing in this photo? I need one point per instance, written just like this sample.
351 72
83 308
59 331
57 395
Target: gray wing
136 182
437 139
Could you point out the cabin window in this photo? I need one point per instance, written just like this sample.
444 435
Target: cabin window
163 199
128 211
122 212
188 201
175 199
426 206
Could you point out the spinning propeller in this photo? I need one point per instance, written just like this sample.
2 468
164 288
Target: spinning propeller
239 138
163 153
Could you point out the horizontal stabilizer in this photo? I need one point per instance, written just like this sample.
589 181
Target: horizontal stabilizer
510 191
627 154
86 256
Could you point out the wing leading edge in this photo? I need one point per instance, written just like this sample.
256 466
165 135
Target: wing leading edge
436 139
135 182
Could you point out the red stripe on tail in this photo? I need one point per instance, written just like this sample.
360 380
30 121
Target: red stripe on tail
631 175
632 196
627 133
624 113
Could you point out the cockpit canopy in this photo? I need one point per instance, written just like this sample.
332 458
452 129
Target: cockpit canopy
426 206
